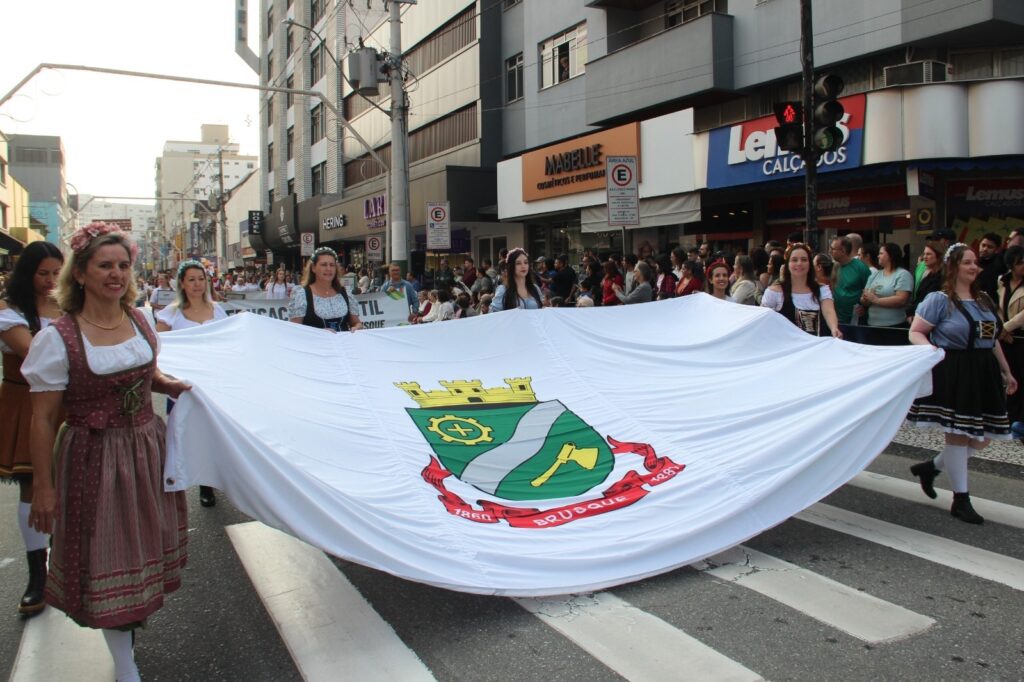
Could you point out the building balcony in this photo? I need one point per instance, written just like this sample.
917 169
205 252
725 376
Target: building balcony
685 65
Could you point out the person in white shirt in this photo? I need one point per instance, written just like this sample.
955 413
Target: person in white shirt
159 300
279 287
193 308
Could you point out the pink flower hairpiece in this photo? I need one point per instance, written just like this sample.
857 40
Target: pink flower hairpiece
83 236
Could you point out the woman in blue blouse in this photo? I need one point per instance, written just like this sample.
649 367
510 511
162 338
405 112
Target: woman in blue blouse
520 288
970 385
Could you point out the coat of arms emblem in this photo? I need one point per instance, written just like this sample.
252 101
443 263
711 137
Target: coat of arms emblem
507 444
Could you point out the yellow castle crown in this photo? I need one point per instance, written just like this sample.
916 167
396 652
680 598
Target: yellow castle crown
462 392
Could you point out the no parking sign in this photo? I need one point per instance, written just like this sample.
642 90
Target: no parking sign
623 195
439 226
374 247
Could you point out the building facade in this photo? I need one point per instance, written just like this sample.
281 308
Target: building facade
37 162
931 95
320 179
190 177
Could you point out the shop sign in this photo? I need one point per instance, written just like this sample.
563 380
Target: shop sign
747 152
578 165
334 222
872 201
255 223
984 196
375 212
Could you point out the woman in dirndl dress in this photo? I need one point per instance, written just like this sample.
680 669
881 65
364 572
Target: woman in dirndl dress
119 541
970 385
322 301
27 307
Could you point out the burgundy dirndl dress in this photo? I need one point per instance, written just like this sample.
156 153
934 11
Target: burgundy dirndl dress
119 541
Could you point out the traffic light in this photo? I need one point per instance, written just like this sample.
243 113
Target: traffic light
789 135
827 112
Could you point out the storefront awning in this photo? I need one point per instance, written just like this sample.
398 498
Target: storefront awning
675 209
10 243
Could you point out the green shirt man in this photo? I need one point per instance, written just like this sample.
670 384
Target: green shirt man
849 278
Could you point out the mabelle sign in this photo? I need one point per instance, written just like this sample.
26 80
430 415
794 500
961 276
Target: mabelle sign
747 152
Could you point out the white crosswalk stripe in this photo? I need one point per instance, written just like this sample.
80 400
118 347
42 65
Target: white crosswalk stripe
324 621
973 560
854 612
327 625
996 512
633 643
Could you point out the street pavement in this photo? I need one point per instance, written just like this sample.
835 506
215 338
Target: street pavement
874 582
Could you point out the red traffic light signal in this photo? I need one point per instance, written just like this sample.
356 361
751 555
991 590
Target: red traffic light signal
789 135
788 113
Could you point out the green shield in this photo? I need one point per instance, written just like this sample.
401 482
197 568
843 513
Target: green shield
533 451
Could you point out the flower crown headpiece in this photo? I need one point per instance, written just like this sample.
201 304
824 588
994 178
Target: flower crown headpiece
510 257
953 247
324 249
186 264
83 236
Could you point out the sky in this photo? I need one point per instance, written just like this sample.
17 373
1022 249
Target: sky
114 127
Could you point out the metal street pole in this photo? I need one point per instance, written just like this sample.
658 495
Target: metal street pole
398 192
810 155
203 81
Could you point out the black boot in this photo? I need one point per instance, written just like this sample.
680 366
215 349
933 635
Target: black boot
963 510
927 472
206 496
32 601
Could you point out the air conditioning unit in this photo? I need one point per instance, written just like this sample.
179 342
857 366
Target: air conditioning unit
915 73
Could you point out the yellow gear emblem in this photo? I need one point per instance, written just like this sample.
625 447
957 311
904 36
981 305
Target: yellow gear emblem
464 430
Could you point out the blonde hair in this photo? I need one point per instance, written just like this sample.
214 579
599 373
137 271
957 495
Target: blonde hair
71 294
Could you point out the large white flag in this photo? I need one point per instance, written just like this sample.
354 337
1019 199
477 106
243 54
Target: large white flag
533 452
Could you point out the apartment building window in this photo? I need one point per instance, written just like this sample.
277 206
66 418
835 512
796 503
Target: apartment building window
563 56
290 84
3 172
443 43
514 78
316 10
318 173
317 124
318 63
291 185
3 216
289 41
250 165
270 66
680 11
270 21
270 155
270 198
270 109
290 148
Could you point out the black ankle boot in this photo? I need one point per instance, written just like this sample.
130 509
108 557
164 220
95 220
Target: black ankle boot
963 510
32 601
206 496
927 472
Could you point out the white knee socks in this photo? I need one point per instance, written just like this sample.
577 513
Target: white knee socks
33 539
955 460
120 644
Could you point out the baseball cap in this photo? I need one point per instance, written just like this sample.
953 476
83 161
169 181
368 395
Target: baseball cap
942 233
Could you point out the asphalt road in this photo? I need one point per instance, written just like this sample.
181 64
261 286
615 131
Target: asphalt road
218 626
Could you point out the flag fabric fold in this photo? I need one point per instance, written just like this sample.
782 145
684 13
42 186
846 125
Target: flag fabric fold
533 453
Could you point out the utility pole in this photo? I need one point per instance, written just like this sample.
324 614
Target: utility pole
399 191
810 154
222 216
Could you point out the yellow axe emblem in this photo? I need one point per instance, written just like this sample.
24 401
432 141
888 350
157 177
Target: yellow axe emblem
585 457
